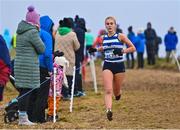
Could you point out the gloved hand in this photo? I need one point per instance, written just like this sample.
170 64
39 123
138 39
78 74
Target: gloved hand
118 51
91 50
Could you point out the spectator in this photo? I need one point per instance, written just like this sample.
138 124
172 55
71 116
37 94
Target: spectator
89 39
140 43
60 64
7 38
170 41
48 25
80 30
99 38
13 40
119 30
66 41
99 41
150 35
4 65
130 56
46 66
158 41
26 66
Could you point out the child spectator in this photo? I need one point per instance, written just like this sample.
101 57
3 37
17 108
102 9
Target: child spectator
60 64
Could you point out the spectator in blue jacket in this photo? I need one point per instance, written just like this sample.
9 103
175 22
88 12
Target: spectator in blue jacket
130 56
170 41
140 45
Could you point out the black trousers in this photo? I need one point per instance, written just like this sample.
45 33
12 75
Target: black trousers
38 102
140 60
1 92
78 78
69 79
78 83
32 105
24 99
67 91
151 58
150 46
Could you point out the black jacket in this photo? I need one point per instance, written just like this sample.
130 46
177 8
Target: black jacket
80 30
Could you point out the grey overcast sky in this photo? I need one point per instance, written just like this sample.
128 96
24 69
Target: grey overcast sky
161 13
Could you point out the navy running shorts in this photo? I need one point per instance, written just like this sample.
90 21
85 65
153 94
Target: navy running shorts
117 67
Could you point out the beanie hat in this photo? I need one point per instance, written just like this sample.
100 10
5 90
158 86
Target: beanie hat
32 16
60 23
67 23
82 24
130 28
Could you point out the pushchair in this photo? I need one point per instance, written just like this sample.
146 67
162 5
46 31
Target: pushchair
11 109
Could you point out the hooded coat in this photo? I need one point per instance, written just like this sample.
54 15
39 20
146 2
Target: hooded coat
29 46
47 25
66 41
170 41
80 30
46 59
140 43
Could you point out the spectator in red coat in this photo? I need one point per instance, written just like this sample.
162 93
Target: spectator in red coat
4 66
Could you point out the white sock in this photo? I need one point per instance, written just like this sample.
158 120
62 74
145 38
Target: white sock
108 110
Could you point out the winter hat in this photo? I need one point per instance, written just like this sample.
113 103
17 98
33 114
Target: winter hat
130 28
67 23
32 16
172 30
82 24
140 30
60 23
76 18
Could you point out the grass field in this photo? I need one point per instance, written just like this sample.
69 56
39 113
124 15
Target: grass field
151 99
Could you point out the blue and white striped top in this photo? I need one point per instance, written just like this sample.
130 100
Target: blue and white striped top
109 44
